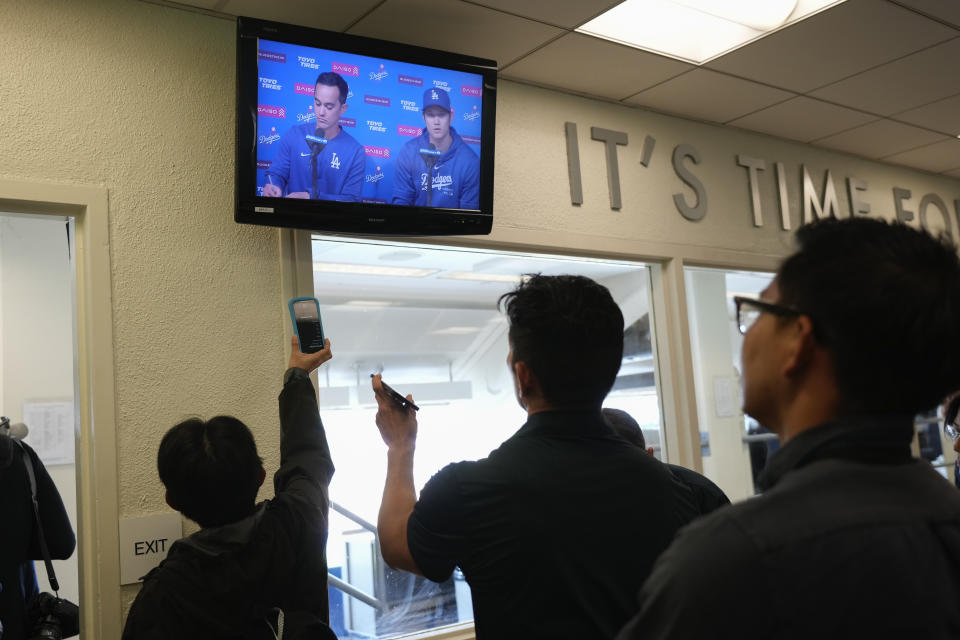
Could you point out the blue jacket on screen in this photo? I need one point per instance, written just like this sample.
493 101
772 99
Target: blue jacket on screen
455 178
340 165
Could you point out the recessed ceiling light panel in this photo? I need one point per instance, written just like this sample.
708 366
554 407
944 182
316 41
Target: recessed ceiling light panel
698 30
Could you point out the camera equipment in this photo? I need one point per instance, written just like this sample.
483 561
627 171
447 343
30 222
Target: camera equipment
17 430
55 618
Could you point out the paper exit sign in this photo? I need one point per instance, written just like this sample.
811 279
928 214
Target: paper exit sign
144 542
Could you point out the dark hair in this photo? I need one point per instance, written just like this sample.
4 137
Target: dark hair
569 332
885 301
625 426
331 79
211 469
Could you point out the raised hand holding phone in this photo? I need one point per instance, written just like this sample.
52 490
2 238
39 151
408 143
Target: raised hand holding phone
396 420
305 313
308 361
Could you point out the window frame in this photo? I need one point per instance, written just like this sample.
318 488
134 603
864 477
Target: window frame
669 326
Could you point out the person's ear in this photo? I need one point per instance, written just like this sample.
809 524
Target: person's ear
262 476
526 381
800 345
169 501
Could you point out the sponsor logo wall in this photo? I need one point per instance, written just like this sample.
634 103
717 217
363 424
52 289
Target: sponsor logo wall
383 106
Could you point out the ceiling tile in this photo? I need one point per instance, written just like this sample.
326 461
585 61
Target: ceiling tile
596 67
942 115
906 83
955 173
832 45
335 16
568 14
948 11
803 119
455 26
937 157
880 139
708 95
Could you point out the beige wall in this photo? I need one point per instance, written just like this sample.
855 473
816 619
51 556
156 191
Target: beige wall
140 99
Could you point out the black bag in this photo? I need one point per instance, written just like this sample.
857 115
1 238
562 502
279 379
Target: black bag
49 617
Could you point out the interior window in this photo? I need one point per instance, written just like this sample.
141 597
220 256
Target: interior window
427 318
734 447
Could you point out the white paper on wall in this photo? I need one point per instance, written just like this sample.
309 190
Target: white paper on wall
51 430
725 393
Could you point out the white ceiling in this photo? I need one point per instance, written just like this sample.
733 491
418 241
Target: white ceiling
874 78
433 325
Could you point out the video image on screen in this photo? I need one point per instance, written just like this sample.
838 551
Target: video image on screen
353 128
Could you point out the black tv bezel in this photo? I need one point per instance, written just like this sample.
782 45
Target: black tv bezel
353 218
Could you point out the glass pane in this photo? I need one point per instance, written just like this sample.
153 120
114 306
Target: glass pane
735 448
427 318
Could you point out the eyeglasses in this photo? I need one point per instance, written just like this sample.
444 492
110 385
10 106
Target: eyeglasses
748 310
950 426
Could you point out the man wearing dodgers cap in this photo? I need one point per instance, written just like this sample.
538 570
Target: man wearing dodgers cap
437 168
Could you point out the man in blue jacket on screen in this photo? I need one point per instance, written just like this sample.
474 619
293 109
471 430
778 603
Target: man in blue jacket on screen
319 161
437 168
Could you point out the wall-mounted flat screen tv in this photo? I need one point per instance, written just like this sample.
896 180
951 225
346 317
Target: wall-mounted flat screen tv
345 134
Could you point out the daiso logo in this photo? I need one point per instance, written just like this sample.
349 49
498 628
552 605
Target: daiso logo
269 111
377 152
303 89
345 69
407 130
473 92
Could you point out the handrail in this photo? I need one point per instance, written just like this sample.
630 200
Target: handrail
349 589
352 516
379 577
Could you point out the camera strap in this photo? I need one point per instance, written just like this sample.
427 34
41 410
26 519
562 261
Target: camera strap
278 632
31 476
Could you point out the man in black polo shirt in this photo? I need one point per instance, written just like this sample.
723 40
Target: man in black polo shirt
707 495
852 537
557 528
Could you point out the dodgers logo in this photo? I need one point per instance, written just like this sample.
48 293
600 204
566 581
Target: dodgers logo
423 182
471 115
376 176
309 116
378 75
335 161
434 95
271 138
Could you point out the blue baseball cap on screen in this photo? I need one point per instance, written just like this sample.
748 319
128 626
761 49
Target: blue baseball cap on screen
436 97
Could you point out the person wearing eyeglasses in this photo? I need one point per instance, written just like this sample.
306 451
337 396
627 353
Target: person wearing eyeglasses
952 429
852 536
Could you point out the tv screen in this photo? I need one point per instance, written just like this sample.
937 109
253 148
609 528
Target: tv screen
346 134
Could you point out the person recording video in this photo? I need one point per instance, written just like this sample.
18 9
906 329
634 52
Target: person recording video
437 168
558 527
319 161
19 590
253 570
